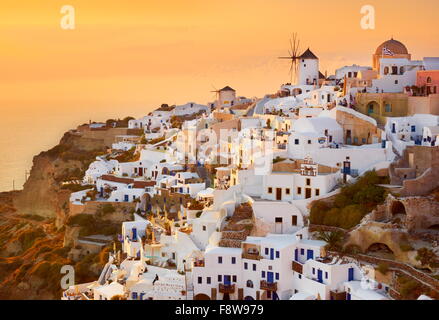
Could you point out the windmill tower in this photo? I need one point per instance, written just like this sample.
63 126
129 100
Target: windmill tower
294 57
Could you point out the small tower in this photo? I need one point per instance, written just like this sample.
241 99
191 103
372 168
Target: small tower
308 69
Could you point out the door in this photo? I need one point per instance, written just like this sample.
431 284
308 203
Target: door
278 194
309 254
270 277
140 171
296 254
351 274
126 198
320 276
278 225
307 193
227 280
271 254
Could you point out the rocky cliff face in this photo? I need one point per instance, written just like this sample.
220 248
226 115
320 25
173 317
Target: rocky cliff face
42 193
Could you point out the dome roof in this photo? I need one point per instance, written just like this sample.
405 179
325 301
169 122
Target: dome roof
393 45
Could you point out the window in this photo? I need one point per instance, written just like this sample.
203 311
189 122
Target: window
249 284
308 181
278 220
220 259
245 265
317 192
270 190
208 280
388 107
294 220
326 275
313 270
263 274
277 254
233 260
234 278
300 276
413 128
296 141
363 140
200 280
254 267
134 295
299 190
302 251
386 70
309 141
287 191
204 228
266 250
220 278
396 81
277 275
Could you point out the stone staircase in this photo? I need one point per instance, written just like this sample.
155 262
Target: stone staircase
238 227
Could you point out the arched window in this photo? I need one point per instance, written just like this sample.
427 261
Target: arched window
249 284
386 70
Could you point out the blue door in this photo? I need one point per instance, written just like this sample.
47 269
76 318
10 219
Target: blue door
320 276
351 274
270 277
271 254
296 254
126 198
227 280
309 254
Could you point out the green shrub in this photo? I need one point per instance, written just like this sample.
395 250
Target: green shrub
383 268
351 204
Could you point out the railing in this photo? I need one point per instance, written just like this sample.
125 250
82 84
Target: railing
226 288
297 267
251 256
199 263
270 286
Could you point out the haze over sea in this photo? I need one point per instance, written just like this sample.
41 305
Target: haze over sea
26 132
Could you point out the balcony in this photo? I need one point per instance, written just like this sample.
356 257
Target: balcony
251 256
226 288
268 286
297 267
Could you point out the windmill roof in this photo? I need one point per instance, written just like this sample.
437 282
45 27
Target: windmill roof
227 88
308 54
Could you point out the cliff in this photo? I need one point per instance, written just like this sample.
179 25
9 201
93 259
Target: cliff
37 234
42 193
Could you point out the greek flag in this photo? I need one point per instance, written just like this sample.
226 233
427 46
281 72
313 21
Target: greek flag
387 52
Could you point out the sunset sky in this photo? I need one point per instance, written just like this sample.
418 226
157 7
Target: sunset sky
136 54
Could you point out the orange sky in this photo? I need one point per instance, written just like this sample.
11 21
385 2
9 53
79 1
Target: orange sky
132 55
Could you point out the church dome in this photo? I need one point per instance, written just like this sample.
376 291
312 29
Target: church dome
393 45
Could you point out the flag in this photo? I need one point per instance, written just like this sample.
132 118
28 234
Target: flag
387 52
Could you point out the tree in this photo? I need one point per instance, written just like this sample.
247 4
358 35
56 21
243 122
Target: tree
334 239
